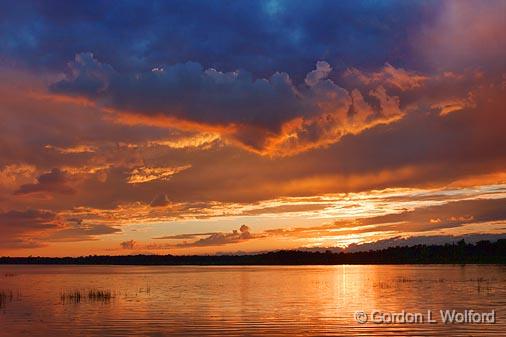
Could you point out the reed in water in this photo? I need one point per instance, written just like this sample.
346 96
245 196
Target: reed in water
5 296
92 295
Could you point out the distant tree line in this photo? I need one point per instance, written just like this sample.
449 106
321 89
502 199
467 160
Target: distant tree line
482 252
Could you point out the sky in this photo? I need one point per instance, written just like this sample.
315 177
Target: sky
204 127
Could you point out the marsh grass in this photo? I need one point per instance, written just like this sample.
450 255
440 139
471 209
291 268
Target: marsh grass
146 290
5 297
91 295
482 285
401 281
99 295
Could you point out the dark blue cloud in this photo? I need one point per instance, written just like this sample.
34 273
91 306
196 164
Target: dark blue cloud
260 36
255 111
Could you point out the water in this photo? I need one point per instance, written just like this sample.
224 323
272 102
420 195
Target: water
245 301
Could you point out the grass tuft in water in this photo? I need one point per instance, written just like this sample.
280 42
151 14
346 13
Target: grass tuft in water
92 295
5 297
73 296
99 295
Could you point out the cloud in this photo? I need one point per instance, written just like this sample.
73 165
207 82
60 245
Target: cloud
130 244
414 102
20 221
201 141
448 215
55 181
270 116
34 228
11 175
453 105
141 175
72 149
21 244
287 208
388 76
444 219
290 35
22 229
160 200
76 229
422 240
321 72
465 34
423 219
188 236
451 214
419 149
88 75
210 239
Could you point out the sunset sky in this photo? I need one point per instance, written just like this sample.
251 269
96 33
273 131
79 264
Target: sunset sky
182 127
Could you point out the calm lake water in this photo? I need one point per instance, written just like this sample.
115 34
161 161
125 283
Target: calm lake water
246 301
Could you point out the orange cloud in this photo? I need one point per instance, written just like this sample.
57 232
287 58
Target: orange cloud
267 116
145 174
388 76
55 181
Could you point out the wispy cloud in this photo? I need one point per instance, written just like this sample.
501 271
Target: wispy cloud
141 175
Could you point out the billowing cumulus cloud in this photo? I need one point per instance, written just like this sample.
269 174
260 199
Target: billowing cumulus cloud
321 72
273 116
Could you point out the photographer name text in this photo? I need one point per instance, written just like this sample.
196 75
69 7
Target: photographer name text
446 316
